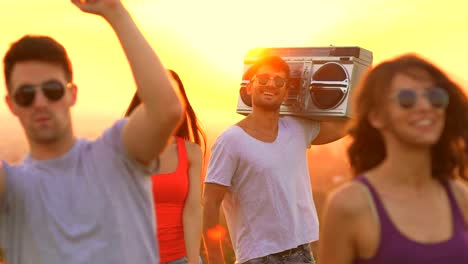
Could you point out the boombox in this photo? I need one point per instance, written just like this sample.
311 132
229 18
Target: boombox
320 81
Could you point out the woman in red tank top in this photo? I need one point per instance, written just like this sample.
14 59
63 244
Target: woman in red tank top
409 148
177 188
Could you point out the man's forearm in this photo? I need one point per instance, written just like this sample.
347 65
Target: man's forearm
212 235
213 250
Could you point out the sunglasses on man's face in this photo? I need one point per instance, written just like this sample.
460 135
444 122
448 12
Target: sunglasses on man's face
264 79
437 97
53 90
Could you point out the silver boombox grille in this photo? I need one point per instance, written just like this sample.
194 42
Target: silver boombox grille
321 79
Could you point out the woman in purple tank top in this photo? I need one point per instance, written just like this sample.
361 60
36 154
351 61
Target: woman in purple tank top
408 203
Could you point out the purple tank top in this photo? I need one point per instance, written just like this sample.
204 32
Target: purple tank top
395 248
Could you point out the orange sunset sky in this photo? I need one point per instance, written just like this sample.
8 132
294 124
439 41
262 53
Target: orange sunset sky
205 42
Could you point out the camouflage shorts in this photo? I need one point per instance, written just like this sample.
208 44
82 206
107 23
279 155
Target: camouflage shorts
301 255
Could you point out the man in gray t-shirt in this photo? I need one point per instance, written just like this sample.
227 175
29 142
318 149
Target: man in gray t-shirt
258 171
72 200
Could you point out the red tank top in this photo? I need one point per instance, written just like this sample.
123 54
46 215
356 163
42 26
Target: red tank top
169 193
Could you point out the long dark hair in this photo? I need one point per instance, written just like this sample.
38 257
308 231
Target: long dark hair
367 150
190 129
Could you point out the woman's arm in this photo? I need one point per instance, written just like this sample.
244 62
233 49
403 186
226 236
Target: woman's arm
192 215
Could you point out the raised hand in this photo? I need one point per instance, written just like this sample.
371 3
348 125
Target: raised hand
99 7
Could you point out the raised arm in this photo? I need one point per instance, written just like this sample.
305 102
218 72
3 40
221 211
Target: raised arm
213 195
147 131
192 215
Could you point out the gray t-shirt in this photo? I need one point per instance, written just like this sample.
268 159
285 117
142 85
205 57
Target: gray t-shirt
269 207
91 205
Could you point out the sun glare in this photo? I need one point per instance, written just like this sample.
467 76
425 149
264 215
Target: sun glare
206 41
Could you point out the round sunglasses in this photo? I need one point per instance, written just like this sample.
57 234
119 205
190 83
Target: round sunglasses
53 90
264 79
437 97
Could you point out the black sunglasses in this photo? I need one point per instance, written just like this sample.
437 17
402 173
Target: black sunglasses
53 90
264 79
436 96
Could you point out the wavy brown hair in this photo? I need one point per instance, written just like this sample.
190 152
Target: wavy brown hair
190 129
367 149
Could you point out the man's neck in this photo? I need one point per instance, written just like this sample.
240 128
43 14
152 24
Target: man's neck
46 151
267 120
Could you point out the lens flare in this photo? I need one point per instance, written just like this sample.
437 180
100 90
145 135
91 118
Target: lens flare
216 233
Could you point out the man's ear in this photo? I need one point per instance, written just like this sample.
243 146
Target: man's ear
73 94
248 88
9 104
286 93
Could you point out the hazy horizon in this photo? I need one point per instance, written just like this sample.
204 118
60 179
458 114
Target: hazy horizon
205 43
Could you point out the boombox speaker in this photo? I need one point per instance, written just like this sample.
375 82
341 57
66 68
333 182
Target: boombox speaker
320 83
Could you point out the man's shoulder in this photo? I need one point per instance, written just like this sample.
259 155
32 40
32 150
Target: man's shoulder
8 168
14 176
111 137
111 132
115 128
230 133
297 124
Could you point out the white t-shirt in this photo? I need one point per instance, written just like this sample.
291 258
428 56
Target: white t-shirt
269 207
91 205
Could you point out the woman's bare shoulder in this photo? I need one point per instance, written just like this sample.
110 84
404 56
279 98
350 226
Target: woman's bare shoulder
460 190
192 148
351 199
